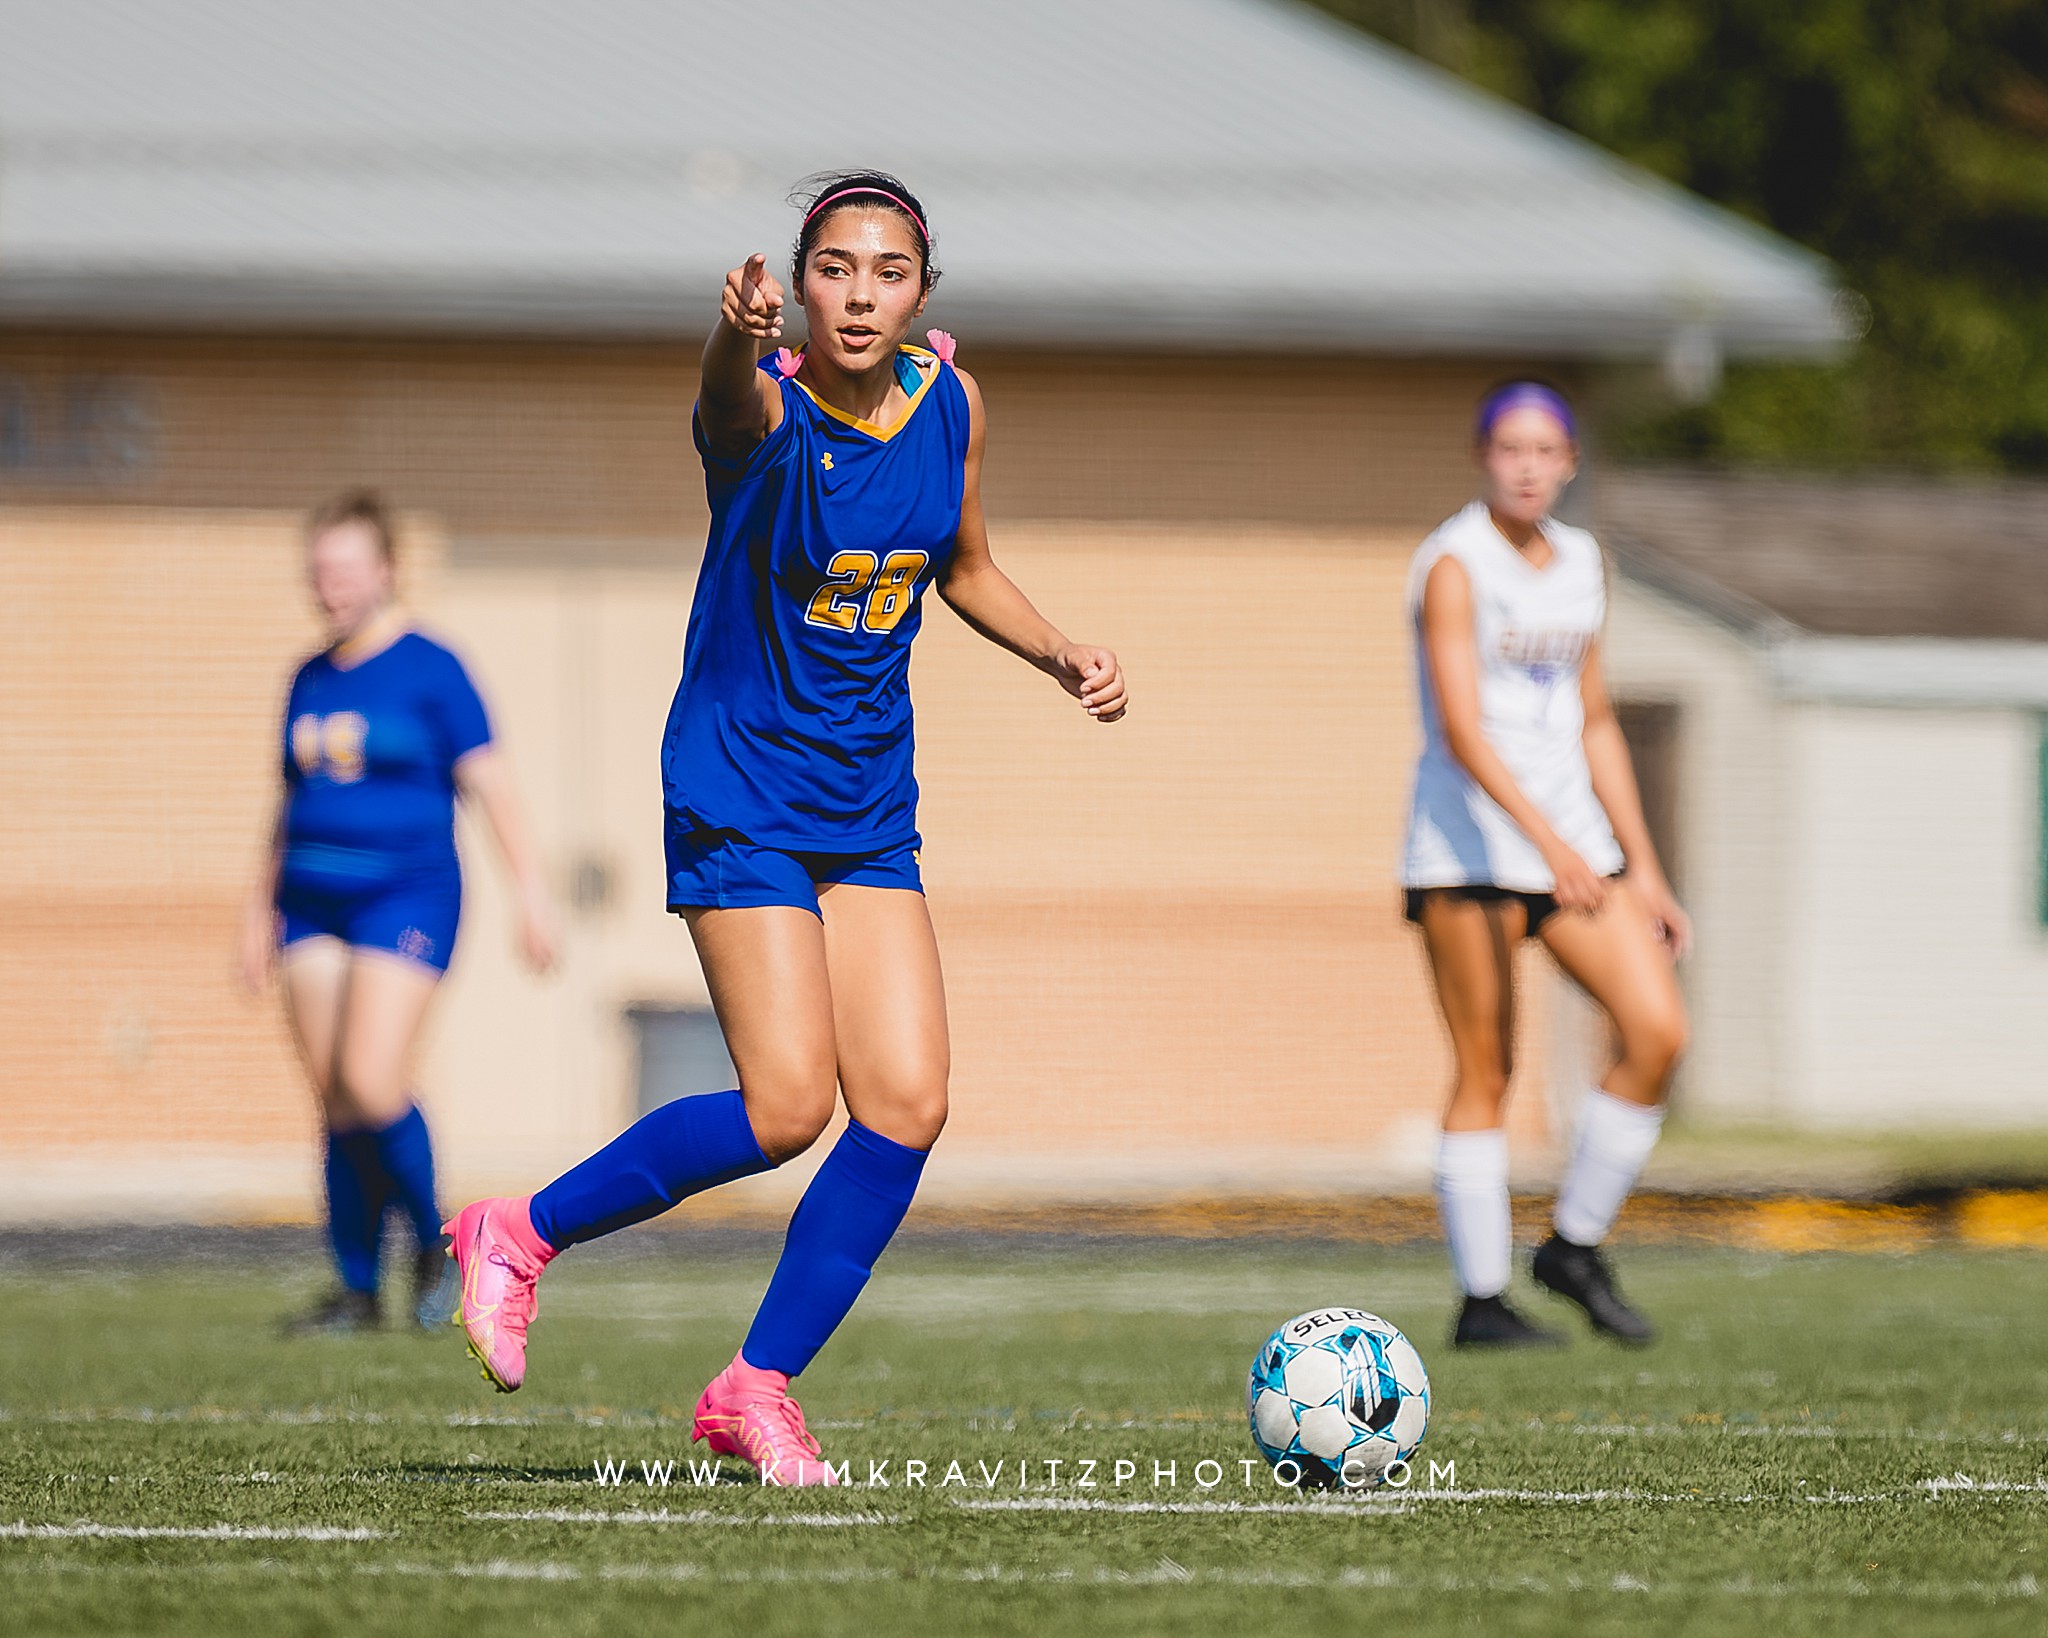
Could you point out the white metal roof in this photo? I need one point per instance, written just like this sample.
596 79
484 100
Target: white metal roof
1207 173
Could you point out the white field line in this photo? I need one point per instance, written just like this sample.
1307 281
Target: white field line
1164 1572
1373 1508
1964 1483
1373 1504
1763 1430
1169 1572
83 1531
493 1569
225 1416
1384 1501
634 1515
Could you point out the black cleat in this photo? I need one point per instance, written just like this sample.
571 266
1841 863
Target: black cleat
1488 1322
436 1288
1581 1275
344 1313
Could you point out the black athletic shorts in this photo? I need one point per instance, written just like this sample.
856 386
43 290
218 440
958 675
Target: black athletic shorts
1540 906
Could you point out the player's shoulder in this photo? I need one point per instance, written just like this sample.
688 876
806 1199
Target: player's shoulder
970 400
1571 538
1452 538
1579 547
1461 530
309 670
426 655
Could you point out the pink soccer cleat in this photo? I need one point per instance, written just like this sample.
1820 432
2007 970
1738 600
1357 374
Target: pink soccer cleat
499 1258
748 1413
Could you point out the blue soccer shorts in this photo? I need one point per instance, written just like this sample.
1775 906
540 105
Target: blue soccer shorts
415 919
721 869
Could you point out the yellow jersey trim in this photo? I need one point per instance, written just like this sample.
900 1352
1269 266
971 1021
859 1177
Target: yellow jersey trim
882 434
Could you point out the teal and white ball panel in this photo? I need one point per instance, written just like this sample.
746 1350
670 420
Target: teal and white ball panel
1273 1423
1326 1433
1337 1396
1315 1375
1407 1364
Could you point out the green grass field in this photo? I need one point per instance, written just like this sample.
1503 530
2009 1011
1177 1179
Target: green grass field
1822 1444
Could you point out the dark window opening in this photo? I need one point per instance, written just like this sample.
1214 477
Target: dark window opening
682 1054
1651 729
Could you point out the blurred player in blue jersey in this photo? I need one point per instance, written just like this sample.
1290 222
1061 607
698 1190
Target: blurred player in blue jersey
844 480
362 892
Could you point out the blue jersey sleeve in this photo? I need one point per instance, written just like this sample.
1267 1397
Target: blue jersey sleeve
459 711
294 775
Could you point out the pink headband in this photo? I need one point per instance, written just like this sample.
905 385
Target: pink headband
873 193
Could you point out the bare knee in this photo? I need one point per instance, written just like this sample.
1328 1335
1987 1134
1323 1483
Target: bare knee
364 1090
1480 1091
1653 1046
788 1108
913 1117
904 1100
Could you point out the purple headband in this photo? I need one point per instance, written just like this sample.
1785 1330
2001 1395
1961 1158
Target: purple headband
873 193
1517 395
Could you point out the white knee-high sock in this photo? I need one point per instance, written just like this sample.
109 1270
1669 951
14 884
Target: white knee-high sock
1614 1138
1472 1195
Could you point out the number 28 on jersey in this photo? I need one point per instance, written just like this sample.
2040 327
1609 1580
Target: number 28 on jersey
866 591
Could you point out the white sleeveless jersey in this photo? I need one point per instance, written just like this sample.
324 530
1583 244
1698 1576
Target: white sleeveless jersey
1533 627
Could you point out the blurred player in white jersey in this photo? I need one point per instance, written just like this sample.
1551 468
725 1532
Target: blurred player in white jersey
1526 822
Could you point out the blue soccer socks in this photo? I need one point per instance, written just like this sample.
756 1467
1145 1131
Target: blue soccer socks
356 1193
847 1216
407 1156
663 1157
844 1220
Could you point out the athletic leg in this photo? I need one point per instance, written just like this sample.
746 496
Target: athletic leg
1614 955
1616 958
765 965
1471 947
889 1016
387 1003
388 998
314 972
893 1058
315 985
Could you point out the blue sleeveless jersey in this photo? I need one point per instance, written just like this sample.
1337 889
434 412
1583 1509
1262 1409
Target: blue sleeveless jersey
369 766
792 724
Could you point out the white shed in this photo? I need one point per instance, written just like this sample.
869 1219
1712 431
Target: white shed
1840 690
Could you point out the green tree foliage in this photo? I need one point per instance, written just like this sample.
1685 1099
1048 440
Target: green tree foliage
1907 140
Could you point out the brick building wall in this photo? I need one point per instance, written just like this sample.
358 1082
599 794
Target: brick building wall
1172 947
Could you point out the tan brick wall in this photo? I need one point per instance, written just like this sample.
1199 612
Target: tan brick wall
1182 932
141 658
591 443
1173 947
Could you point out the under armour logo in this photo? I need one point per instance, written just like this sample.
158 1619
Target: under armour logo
825 460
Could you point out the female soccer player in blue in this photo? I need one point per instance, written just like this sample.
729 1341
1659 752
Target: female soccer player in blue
361 888
843 481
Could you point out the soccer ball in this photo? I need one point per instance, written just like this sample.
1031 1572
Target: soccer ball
1336 1397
